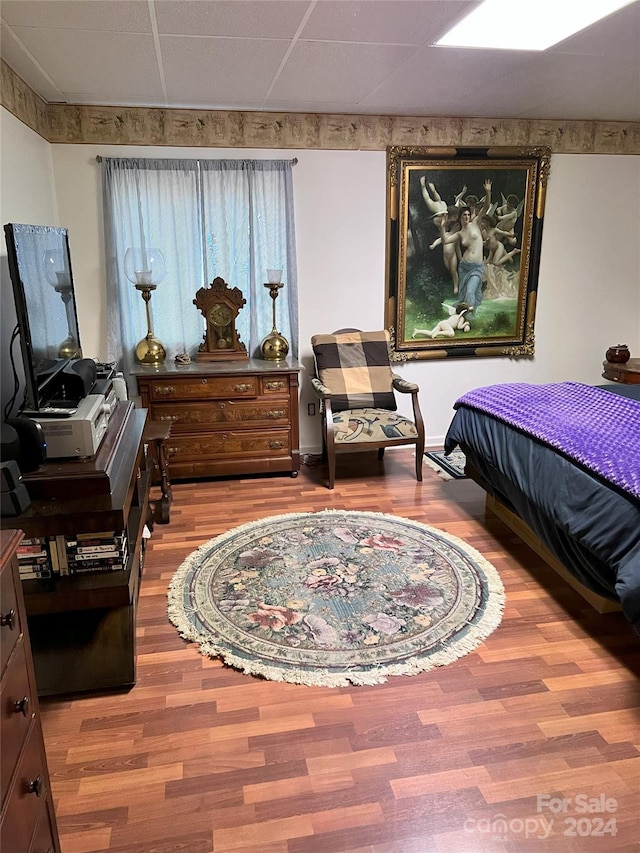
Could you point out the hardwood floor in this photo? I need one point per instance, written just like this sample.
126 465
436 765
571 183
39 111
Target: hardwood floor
476 756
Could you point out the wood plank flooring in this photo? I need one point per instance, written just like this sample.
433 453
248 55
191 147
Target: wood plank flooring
505 750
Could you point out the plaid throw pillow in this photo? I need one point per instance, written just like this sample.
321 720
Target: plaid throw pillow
355 367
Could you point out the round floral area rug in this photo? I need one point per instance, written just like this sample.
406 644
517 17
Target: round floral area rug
332 598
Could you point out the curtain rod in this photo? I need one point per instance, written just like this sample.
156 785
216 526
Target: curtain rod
294 162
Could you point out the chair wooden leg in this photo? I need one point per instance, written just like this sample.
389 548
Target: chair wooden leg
331 459
419 460
380 452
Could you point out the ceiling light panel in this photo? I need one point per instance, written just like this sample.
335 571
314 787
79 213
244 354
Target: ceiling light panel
526 24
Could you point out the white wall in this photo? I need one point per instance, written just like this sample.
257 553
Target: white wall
589 284
27 195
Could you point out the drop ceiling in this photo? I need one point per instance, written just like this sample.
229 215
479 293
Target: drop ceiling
321 56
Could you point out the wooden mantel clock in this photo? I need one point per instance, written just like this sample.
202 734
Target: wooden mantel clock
220 306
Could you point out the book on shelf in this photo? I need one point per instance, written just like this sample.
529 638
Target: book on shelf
32 540
53 553
114 547
31 550
61 547
84 569
49 556
41 556
34 570
93 559
107 535
97 555
34 557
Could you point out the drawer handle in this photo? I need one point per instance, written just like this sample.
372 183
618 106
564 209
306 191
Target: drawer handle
164 389
172 418
36 787
274 386
276 445
275 413
8 619
171 451
241 387
22 706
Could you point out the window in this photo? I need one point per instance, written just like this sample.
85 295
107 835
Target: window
227 218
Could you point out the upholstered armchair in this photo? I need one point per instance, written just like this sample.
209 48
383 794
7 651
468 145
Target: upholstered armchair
355 384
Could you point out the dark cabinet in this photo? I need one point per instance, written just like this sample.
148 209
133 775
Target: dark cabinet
28 819
82 626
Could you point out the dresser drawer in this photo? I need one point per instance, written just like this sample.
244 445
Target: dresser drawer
28 798
272 385
203 388
44 839
245 444
16 714
11 628
223 413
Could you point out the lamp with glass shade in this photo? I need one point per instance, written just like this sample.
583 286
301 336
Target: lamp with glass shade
275 346
58 275
145 269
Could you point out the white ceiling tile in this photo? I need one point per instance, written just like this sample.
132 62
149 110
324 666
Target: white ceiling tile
348 56
591 100
219 70
339 72
551 78
13 54
231 18
442 78
621 29
298 106
123 16
91 68
382 22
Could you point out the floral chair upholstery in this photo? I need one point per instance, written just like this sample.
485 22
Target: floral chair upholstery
356 386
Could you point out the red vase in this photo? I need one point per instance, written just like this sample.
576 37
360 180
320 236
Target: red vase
618 354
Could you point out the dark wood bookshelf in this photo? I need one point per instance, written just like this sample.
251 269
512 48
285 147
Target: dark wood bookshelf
82 626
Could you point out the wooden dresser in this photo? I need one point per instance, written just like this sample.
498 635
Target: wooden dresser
28 819
233 417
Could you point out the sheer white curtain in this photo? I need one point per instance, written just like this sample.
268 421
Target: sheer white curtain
228 218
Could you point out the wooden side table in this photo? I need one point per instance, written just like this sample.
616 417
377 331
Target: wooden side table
156 433
628 374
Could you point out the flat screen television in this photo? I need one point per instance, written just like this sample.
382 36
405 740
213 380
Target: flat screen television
40 269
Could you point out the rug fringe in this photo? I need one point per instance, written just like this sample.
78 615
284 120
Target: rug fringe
444 475
475 634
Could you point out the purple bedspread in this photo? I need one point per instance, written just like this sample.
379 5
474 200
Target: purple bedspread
597 429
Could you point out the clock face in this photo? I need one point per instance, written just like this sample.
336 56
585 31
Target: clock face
220 314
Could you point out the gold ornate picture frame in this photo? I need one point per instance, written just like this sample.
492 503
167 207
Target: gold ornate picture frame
464 231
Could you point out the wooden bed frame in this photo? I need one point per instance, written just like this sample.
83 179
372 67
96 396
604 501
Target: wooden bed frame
524 532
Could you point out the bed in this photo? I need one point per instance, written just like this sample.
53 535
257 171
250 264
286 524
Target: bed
561 465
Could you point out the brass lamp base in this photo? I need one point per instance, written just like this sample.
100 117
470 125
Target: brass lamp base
274 347
150 351
69 348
